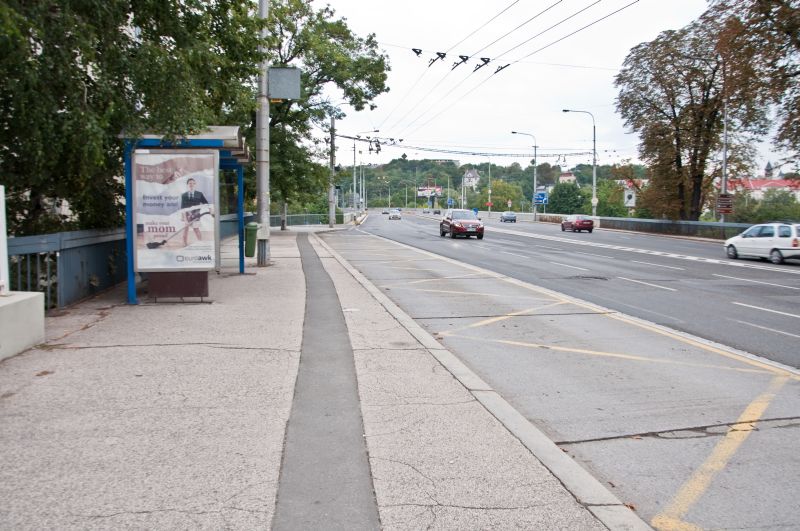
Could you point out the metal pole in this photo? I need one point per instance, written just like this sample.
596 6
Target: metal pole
5 282
331 195
355 189
724 152
490 188
535 187
594 159
262 147
594 167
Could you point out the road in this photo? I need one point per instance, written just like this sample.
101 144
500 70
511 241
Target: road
687 285
617 346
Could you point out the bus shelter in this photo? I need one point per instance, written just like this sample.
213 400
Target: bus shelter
172 200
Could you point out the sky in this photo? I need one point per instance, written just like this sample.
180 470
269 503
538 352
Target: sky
436 106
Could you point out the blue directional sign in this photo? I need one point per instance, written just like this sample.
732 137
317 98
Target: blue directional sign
540 198
450 201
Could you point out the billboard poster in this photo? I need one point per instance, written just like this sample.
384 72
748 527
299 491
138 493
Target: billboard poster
429 191
174 209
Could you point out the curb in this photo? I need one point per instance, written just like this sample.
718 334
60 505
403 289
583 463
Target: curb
586 489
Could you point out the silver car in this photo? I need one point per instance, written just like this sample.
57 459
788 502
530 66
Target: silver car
774 241
509 217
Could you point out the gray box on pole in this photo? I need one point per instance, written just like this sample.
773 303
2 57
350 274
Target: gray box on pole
284 83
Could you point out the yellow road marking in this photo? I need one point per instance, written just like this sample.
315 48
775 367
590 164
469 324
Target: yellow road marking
453 292
696 486
709 348
499 318
599 353
442 278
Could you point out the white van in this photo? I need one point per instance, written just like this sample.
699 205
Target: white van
775 241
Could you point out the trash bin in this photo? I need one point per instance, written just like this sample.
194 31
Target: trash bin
250 235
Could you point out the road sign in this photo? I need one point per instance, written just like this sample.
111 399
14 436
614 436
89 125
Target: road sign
540 198
725 204
488 203
450 201
509 203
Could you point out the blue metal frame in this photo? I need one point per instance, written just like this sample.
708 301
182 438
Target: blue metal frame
226 162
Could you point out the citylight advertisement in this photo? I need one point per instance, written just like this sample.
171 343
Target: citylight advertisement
175 210
429 191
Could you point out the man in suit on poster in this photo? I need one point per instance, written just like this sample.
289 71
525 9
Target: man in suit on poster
191 198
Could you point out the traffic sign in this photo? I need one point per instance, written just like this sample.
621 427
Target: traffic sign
450 201
725 204
509 203
488 203
540 198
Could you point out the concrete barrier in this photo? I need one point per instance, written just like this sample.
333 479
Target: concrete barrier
21 322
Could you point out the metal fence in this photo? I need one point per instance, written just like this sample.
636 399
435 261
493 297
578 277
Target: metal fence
67 266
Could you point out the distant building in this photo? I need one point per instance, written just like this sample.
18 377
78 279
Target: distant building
471 178
757 187
567 177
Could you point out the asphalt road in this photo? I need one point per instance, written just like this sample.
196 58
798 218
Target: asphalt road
687 431
687 285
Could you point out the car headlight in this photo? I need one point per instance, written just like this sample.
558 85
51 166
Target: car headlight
480 225
457 224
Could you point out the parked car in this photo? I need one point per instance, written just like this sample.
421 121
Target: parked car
577 223
394 214
773 241
509 217
463 222
426 211
437 212
385 211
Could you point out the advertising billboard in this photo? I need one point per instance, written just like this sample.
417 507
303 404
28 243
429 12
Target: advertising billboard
174 208
429 191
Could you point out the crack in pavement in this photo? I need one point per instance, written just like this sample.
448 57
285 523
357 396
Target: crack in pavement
700 431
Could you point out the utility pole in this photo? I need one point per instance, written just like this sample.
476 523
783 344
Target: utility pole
331 195
262 147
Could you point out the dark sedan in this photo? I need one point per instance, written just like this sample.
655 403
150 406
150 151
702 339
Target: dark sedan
461 222
577 223
509 217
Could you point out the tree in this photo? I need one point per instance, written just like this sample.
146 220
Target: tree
566 198
762 41
611 202
672 92
76 75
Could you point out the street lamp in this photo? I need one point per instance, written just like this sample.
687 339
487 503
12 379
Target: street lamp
534 169
354 165
594 160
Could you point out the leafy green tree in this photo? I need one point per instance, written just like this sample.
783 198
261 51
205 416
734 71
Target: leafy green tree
761 41
76 75
611 202
566 198
672 92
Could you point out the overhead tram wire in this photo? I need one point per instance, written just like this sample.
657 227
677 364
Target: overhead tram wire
403 99
397 122
473 89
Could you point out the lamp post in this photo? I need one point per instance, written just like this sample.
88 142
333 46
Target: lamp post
594 160
355 186
534 169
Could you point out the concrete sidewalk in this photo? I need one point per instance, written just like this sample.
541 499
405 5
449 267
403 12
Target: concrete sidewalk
175 416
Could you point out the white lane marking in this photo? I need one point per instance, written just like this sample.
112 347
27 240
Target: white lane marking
548 247
647 284
766 310
755 281
573 267
593 254
765 328
585 243
515 254
658 265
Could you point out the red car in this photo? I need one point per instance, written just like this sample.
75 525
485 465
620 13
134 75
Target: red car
577 223
463 222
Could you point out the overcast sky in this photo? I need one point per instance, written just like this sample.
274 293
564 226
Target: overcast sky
461 109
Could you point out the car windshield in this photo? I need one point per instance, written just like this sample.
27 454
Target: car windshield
464 214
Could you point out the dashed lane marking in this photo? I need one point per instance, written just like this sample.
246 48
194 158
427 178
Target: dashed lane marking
756 281
572 267
647 284
766 310
658 265
766 328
